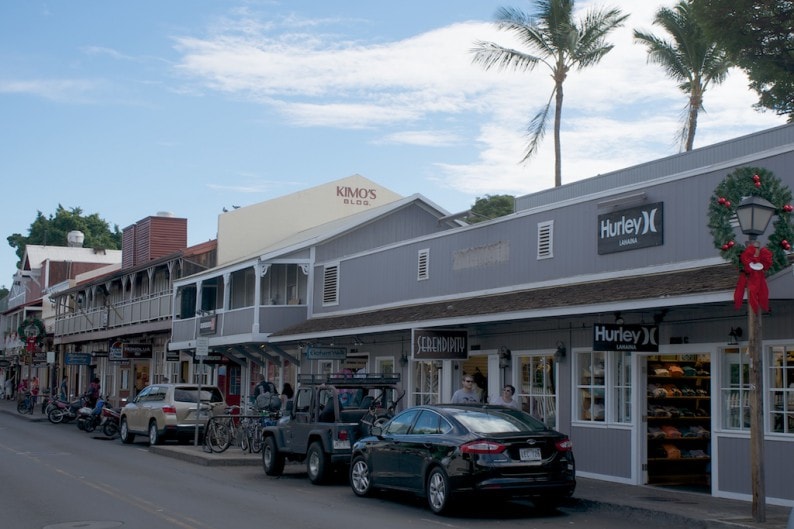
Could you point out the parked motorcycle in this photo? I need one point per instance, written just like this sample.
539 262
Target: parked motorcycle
110 420
63 411
89 418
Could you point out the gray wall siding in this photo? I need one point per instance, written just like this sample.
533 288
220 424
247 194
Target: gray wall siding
407 223
602 451
778 467
503 253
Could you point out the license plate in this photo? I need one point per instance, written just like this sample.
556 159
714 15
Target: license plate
529 454
203 415
341 445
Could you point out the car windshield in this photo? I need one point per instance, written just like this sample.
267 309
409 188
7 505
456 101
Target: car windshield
188 394
491 421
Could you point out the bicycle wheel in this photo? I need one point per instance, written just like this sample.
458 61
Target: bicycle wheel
245 438
219 436
256 441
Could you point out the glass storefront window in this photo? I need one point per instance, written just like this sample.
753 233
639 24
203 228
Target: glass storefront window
536 388
781 389
591 386
597 371
735 389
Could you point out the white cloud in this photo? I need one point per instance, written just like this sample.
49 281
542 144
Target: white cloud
618 113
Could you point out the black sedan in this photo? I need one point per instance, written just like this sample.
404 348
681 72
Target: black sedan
448 451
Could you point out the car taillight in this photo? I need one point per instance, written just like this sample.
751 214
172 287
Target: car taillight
564 445
482 446
169 409
342 435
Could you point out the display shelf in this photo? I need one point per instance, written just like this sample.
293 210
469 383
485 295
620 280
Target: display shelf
679 421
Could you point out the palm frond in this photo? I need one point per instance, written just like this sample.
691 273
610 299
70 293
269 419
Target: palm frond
536 129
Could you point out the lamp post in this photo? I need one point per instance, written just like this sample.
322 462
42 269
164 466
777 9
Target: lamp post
754 214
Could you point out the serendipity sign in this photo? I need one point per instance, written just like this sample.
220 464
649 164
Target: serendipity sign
440 344
614 337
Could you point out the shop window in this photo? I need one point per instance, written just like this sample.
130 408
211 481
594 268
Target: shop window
781 388
735 389
597 371
536 390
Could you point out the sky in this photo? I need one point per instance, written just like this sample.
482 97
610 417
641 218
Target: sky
127 109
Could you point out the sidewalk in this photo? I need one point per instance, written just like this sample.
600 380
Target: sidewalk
690 509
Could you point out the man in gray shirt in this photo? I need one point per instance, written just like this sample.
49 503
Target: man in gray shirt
466 394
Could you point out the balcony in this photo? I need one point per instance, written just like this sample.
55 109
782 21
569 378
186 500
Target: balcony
145 309
240 322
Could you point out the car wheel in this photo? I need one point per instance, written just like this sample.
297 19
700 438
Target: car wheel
360 479
272 461
154 434
317 463
438 493
55 416
126 436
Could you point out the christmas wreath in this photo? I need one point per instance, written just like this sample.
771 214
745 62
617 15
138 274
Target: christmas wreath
40 332
754 262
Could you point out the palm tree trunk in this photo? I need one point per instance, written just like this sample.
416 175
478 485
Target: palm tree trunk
557 148
695 102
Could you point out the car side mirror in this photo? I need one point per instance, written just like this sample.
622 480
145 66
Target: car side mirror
376 431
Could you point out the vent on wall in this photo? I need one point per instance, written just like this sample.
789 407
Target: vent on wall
423 265
331 284
546 240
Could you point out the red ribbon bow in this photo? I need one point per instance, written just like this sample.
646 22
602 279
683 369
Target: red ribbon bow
756 261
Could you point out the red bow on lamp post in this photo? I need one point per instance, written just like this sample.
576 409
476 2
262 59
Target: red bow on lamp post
756 260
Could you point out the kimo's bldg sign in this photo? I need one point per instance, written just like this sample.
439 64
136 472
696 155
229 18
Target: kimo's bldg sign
631 229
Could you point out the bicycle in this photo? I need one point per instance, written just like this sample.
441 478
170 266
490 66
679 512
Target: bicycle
26 405
251 435
222 430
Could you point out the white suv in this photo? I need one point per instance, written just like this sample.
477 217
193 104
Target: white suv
168 411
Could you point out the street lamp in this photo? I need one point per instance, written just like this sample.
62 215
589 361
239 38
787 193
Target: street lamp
754 214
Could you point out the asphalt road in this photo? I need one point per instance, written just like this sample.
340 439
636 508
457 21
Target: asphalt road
58 477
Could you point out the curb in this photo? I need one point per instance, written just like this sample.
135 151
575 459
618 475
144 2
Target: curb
206 459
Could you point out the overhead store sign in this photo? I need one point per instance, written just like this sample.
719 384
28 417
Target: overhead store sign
614 337
440 344
631 229
77 359
325 353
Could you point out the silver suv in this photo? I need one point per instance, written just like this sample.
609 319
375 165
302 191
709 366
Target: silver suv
168 411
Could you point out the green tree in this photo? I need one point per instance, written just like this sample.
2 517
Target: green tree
759 37
554 38
691 59
52 231
491 207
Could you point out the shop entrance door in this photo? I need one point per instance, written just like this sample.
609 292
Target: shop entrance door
678 426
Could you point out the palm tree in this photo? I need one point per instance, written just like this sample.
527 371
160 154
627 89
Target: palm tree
552 37
690 58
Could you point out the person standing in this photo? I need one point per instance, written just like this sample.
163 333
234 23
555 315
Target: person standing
92 393
467 393
286 394
9 388
506 398
63 393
